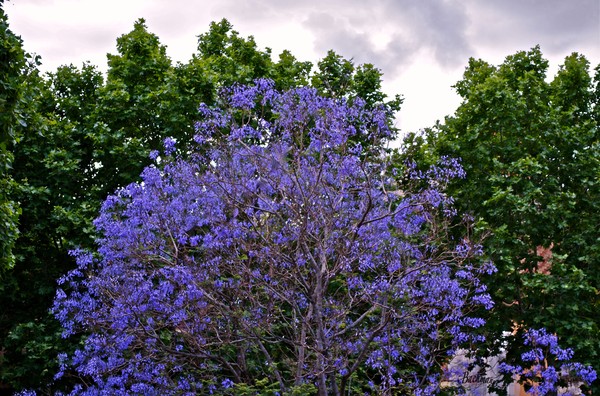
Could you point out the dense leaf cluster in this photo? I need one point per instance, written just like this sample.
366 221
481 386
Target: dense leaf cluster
13 64
531 150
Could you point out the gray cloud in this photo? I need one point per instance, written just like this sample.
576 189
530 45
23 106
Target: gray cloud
428 25
441 26
558 26
387 33
450 30
336 33
549 17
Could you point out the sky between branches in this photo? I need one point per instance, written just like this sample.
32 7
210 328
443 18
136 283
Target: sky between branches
422 46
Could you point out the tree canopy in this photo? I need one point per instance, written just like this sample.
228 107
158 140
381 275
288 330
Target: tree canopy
530 148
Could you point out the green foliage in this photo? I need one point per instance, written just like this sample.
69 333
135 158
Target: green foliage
338 77
290 73
130 113
13 62
233 59
53 173
532 155
266 387
335 75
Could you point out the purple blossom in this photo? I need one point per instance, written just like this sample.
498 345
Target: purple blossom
169 145
546 365
276 250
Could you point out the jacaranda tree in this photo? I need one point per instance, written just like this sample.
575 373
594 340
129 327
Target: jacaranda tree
279 257
82 135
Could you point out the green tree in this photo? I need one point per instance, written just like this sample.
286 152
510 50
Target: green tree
339 77
13 62
54 170
290 73
532 155
129 122
231 58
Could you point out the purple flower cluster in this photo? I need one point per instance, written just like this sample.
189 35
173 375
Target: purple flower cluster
280 249
538 372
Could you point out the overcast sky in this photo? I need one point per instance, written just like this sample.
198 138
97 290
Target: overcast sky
422 46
